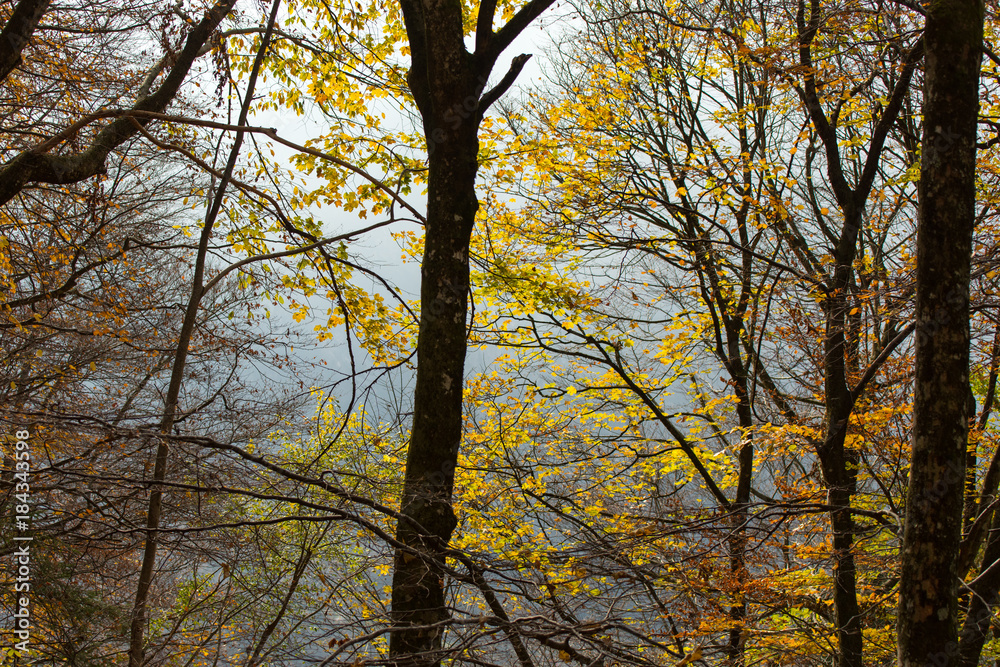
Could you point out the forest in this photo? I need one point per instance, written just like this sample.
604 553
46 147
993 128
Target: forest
509 333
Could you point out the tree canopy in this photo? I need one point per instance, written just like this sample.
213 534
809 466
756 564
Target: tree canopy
412 333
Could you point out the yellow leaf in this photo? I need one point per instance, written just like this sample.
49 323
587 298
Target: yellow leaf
691 657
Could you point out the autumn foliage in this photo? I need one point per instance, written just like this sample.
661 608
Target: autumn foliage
604 357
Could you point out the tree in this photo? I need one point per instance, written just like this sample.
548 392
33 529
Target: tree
686 443
928 599
91 253
169 416
637 148
447 83
37 165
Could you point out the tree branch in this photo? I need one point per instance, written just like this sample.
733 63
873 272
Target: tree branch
15 34
506 35
32 166
487 100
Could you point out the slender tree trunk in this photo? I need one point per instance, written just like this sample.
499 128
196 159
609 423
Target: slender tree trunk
738 537
976 626
740 512
839 464
731 315
137 638
928 599
840 488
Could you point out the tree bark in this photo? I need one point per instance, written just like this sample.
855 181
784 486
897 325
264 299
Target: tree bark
447 82
928 600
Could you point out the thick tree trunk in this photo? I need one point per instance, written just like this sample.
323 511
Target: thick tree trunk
447 83
418 591
443 80
928 600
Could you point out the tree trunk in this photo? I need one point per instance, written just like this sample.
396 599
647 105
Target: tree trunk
840 464
154 509
983 596
839 472
928 600
447 83
417 587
